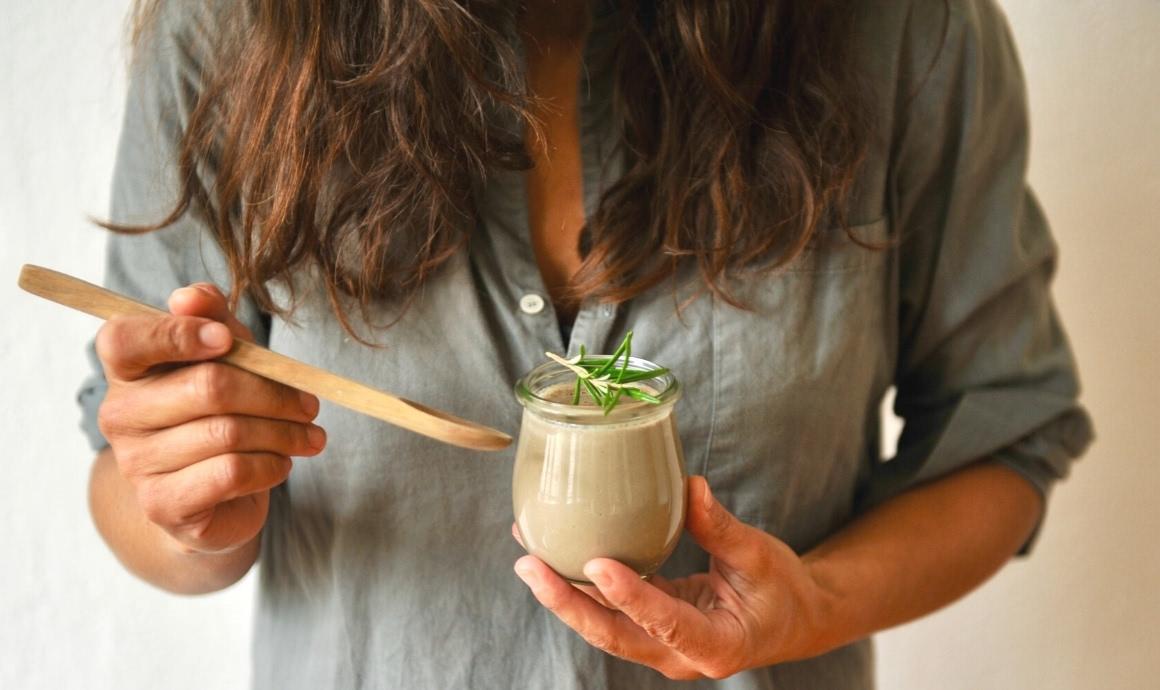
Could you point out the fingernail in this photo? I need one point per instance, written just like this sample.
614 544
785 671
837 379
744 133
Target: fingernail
526 574
309 403
208 289
316 437
707 497
597 574
214 335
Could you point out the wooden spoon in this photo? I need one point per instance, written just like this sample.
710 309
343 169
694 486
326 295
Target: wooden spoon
92 299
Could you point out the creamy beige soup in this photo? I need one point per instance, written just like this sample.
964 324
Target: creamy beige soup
587 491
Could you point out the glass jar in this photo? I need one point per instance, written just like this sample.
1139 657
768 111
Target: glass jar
588 485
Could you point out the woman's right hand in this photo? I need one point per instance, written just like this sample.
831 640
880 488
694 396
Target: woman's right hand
201 442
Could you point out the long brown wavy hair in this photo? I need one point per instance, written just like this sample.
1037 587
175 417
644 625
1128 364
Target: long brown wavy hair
346 136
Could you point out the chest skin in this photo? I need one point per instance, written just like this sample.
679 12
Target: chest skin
554 39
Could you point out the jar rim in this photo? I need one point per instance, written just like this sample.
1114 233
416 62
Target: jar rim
527 391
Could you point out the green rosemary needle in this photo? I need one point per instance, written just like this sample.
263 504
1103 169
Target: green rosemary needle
606 379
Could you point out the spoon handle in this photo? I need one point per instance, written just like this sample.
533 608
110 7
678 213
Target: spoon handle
105 304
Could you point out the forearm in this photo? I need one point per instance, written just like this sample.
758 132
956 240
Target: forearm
920 551
145 549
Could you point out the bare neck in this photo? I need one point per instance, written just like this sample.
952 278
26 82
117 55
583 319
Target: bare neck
549 21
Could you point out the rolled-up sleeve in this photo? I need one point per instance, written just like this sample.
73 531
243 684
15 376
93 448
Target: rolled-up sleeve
984 370
163 85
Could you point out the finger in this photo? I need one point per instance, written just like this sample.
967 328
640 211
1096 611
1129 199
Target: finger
721 534
182 499
205 299
201 390
587 589
226 526
672 622
172 449
594 594
130 346
610 631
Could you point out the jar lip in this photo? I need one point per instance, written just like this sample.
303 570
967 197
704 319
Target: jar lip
528 387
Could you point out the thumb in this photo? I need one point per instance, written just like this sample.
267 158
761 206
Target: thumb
206 300
718 531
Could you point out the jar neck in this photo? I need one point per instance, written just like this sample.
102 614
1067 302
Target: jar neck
530 390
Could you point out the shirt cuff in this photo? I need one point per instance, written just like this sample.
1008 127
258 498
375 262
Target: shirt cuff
1045 456
89 398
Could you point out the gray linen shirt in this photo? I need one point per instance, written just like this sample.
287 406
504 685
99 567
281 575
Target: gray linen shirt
387 562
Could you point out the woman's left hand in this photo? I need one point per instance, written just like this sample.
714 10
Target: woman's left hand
758 604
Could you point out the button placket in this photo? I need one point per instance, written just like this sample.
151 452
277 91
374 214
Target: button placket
592 327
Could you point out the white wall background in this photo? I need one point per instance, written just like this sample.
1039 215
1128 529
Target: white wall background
1083 613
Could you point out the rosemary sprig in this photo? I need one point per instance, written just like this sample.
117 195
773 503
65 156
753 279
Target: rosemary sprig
604 380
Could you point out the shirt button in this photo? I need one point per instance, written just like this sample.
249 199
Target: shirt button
531 303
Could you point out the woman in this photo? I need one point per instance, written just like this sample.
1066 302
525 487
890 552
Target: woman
795 205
